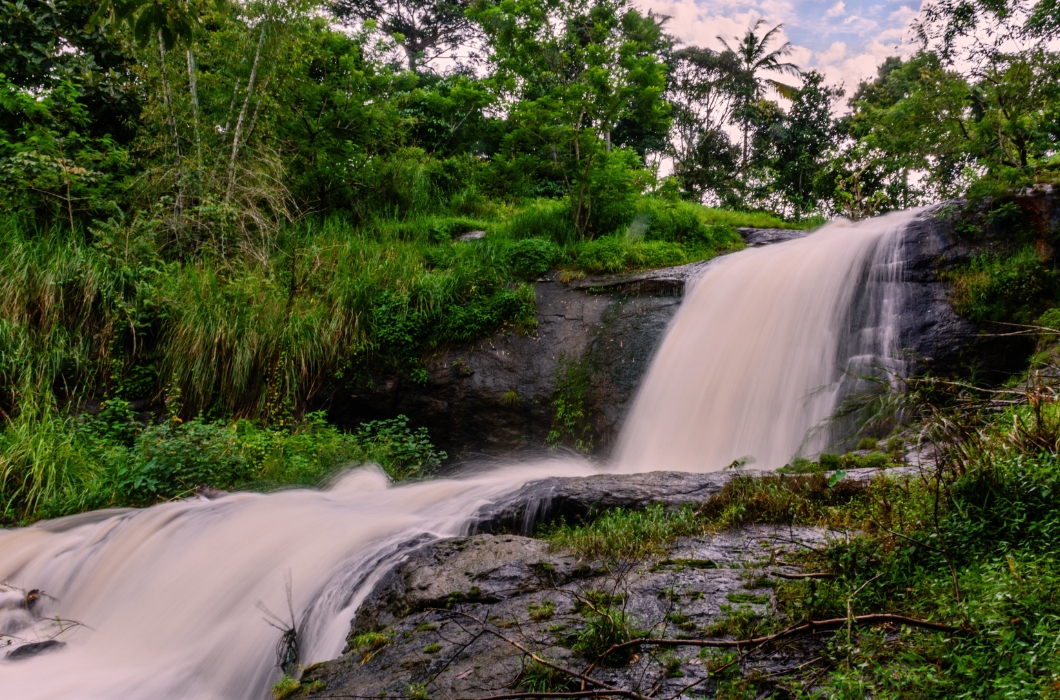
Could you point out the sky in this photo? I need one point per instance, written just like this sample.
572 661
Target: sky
844 39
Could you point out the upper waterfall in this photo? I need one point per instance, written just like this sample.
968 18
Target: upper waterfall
759 354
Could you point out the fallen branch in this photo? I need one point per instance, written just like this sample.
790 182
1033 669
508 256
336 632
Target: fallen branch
810 627
802 576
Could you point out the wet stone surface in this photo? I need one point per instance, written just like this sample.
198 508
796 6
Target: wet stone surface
440 616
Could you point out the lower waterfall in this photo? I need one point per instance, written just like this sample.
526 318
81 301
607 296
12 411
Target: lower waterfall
171 600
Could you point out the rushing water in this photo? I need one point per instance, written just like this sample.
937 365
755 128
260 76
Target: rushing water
764 346
170 601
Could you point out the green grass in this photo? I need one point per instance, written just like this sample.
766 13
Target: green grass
625 534
741 219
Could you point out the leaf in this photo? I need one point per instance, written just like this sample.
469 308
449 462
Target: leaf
837 477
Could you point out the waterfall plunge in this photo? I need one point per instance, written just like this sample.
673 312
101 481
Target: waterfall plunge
169 595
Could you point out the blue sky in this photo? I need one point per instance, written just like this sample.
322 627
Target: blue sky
844 39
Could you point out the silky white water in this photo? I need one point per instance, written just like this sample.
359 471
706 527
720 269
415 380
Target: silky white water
169 599
759 352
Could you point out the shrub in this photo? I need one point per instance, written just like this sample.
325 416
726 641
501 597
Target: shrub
175 458
616 181
532 257
403 452
1014 287
545 218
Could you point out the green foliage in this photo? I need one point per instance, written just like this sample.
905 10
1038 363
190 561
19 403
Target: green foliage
536 677
417 691
542 611
404 453
997 287
51 465
571 422
618 254
544 218
625 534
286 687
605 627
172 459
570 73
532 257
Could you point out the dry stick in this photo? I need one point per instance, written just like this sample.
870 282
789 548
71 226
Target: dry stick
808 627
194 90
242 115
573 674
850 609
779 574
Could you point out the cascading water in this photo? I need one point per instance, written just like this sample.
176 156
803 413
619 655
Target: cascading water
763 348
170 598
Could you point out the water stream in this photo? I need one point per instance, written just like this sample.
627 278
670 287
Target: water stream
170 599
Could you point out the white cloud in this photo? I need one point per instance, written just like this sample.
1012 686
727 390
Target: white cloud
836 10
846 50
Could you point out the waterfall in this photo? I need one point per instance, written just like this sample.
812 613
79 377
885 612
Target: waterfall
763 348
171 600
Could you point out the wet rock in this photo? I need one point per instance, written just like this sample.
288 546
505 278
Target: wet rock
757 237
574 498
495 396
442 616
32 649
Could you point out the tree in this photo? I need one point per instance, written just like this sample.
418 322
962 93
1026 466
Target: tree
567 72
803 144
426 29
753 52
704 90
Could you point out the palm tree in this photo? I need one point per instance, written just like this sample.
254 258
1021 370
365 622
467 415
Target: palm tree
753 53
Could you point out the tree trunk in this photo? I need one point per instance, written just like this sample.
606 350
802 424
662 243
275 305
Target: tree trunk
167 97
193 88
242 117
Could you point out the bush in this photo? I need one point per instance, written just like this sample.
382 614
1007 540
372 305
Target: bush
1014 287
174 458
532 257
545 218
404 453
616 182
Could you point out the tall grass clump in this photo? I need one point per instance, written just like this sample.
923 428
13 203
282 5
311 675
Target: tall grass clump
626 534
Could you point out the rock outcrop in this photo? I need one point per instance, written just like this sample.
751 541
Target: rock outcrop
453 615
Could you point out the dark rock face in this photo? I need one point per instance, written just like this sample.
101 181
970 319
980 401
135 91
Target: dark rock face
448 615
496 396
756 237
27 651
